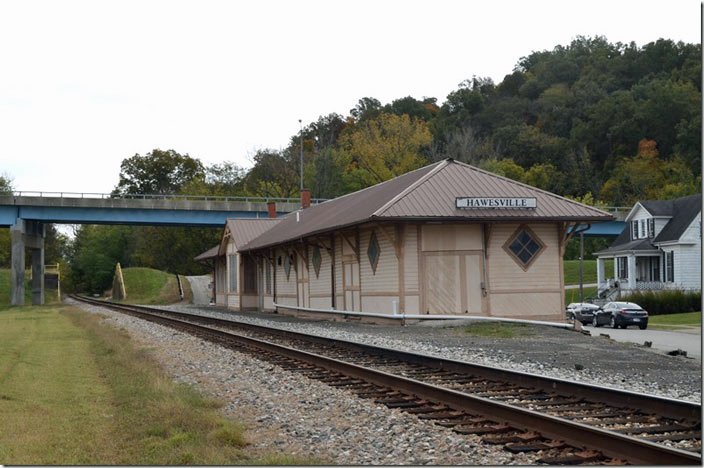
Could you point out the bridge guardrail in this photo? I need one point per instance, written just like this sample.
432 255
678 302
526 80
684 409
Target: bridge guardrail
104 196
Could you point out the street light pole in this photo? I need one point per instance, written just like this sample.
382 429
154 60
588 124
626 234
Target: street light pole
301 125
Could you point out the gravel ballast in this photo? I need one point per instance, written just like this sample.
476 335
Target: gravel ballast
290 414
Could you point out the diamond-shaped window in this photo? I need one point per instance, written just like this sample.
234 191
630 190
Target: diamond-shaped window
524 247
317 260
373 251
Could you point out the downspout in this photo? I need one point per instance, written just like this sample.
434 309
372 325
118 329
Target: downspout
332 268
484 261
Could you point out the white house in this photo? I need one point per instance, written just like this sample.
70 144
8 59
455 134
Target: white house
660 248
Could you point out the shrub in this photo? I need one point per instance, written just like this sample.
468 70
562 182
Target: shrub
667 302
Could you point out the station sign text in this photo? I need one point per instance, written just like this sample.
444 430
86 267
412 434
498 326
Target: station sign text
496 203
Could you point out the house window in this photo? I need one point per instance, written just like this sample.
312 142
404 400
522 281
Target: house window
654 268
651 227
524 247
267 274
373 252
232 259
634 230
643 235
622 267
670 267
317 260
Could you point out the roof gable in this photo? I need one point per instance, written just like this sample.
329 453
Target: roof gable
434 197
426 193
684 210
244 230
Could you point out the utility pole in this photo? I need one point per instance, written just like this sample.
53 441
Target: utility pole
581 266
300 122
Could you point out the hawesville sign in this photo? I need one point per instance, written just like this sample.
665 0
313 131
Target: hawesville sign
496 203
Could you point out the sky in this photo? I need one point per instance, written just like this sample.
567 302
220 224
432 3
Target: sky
86 84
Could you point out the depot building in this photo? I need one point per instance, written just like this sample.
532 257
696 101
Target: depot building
445 239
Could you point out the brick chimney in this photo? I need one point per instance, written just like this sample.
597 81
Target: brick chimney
271 206
305 198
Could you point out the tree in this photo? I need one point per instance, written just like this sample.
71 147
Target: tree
385 147
272 176
366 108
158 172
648 177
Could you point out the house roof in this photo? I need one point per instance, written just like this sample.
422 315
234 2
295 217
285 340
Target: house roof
684 210
427 193
208 254
243 230
681 210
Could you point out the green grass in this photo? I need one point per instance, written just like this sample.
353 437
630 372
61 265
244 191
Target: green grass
572 271
76 392
572 295
149 286
498 329
676 321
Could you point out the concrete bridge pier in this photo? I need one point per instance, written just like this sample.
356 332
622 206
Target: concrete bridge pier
27 234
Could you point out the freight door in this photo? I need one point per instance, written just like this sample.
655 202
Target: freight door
452 283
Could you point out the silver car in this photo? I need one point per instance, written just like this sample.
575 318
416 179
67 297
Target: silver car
581 311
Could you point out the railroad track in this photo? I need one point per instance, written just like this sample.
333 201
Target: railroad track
568 422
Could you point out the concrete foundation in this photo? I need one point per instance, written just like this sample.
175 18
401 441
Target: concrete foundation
27 234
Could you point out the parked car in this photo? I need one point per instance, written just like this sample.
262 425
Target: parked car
621 314
582 311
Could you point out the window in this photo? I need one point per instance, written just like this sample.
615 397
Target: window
651 227
373 252
634 230
670 267
267 274
622 267
643 235
524 247
233 272
317 260
654 268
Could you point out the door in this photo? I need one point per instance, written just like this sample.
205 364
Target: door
302 276
350 273
452 283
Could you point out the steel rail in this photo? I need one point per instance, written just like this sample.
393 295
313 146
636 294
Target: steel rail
611 444
663 406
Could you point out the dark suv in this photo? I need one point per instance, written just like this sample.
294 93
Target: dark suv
621 314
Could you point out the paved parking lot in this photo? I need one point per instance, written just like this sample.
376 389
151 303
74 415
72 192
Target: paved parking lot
690 340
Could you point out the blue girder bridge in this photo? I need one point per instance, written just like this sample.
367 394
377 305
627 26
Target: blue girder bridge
26 212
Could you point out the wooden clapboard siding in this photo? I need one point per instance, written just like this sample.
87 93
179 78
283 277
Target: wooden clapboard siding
378 304
410 258
284 287
451 237
506 274
528 305
385 279
320 284
339 291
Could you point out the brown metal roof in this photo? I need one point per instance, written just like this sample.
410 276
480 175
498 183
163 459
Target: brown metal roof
427 193
208 254
245 230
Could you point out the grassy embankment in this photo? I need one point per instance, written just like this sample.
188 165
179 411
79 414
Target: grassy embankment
572 271
149 286
676 322
74 392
